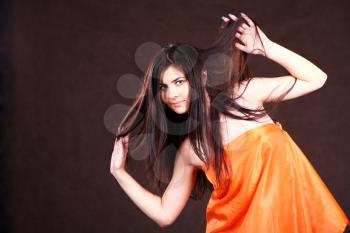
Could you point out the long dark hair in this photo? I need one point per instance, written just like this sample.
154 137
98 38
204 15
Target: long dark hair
163 131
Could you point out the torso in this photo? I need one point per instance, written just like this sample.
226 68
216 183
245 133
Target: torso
232 128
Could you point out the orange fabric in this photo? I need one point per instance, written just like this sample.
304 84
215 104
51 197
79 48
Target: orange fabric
273 188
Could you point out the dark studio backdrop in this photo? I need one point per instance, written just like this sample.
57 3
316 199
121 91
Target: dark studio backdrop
70 68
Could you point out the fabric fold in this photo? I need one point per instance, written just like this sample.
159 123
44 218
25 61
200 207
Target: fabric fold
271 188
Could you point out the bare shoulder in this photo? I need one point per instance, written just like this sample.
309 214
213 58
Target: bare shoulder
188 154
247 95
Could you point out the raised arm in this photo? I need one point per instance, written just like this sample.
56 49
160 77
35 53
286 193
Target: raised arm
163 210
308 76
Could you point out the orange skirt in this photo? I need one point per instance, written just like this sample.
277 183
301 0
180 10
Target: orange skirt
271 188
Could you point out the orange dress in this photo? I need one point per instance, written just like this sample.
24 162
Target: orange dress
272 188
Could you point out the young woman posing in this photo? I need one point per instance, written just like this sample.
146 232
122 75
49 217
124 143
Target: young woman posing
205 104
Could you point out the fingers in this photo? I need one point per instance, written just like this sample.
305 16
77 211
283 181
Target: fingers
226 20
116 142
244 26
125 139
249 21
118 145
240 33
240 47
126 142
241 30
234 18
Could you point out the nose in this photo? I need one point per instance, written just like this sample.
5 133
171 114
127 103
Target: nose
172 92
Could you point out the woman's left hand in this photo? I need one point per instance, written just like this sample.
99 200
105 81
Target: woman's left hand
119 154
248 35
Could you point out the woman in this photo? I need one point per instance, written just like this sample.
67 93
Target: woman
205 118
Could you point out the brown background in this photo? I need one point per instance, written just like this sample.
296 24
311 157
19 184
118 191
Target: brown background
60 62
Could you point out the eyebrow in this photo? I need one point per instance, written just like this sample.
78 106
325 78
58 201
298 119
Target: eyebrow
172 81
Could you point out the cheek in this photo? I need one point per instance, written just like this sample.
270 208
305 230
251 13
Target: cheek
162 96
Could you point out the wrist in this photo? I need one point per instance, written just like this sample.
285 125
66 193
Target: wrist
268 48
119 174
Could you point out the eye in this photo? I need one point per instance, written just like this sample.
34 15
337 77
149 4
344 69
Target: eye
161 88
180 82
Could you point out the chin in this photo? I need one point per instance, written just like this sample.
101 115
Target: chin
182 110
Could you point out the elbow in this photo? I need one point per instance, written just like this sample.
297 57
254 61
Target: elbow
324 77
323 80
165 223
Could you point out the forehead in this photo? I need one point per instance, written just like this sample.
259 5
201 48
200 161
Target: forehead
170 73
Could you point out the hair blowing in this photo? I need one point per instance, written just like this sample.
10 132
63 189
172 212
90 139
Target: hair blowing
163 131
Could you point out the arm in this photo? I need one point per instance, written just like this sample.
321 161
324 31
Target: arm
297 65
163 210
308 76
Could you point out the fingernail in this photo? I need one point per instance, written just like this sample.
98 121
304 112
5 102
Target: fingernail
223 18
231 15
243 13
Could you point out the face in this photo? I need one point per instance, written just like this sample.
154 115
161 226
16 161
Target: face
175 89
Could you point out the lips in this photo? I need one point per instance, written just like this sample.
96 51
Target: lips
176 104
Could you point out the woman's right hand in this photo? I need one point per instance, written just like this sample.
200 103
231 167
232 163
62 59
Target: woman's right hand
119 154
